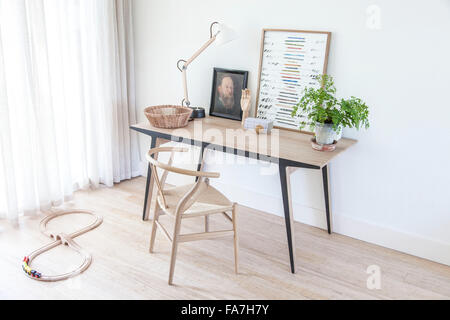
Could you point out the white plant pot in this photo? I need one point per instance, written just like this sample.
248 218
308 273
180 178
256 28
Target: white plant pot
324 133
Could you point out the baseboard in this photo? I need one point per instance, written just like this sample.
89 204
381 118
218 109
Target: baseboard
399 240
385 236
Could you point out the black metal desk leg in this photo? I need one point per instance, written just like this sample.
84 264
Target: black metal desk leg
147 185
327 196
200 160
287 215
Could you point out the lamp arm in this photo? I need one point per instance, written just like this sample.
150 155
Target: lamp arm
199 51
186 97
188 62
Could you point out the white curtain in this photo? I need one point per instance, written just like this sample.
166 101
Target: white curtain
66 100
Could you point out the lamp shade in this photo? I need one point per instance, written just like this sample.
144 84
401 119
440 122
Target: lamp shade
224 34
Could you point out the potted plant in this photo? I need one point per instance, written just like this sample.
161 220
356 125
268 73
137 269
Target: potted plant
327 115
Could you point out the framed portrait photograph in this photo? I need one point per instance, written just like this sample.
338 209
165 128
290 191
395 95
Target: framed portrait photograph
226 93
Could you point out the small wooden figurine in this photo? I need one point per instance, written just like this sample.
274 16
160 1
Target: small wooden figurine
245 104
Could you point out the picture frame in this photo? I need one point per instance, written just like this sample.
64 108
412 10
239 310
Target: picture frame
289 59
226 93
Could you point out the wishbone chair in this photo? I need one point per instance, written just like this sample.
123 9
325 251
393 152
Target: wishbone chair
192 200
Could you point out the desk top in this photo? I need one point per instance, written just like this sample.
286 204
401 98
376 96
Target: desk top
280 144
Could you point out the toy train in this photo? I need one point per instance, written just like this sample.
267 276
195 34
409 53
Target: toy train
26 268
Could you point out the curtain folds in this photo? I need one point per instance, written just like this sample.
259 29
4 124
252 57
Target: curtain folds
66 100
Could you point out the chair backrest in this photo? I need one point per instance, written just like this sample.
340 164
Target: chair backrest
189 198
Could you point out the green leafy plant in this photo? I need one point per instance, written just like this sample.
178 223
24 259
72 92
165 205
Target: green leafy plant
321 106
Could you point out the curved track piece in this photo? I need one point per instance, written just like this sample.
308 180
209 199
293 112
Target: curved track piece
64 239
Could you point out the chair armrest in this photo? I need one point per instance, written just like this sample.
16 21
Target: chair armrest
164 166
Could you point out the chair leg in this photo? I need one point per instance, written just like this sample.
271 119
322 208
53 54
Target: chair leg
236 240
154 227
173 257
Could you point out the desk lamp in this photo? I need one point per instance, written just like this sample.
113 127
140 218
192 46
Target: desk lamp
221 35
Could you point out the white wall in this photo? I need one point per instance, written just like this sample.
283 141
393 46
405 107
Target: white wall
393 187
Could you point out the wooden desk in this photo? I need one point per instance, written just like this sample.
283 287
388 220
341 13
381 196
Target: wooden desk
288 149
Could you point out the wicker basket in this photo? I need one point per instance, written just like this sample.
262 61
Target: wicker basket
168 116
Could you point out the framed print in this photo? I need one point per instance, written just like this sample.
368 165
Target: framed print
289 61
226 93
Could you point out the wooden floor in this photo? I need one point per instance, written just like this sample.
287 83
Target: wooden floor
328 267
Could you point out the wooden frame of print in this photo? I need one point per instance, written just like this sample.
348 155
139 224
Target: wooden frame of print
303 50
215 110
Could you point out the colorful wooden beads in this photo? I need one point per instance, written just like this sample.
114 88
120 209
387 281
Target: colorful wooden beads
26 268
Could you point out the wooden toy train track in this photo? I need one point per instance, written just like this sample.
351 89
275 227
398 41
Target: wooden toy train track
64 239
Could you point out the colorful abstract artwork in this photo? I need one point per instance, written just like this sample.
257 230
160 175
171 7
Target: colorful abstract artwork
289 62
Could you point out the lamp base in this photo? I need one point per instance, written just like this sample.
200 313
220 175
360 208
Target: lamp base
197 113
